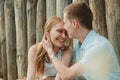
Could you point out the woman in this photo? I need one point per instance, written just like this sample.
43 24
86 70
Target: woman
38 61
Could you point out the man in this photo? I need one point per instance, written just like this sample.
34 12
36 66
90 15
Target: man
94 55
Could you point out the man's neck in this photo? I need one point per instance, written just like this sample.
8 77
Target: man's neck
82 35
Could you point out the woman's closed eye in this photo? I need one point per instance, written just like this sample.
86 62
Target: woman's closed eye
60 31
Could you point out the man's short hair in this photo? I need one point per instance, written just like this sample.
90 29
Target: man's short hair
80 11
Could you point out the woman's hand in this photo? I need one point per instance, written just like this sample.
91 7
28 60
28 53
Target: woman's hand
47 44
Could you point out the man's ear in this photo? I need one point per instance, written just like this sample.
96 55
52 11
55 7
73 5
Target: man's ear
75 23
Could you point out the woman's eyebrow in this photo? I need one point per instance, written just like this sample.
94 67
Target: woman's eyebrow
60 29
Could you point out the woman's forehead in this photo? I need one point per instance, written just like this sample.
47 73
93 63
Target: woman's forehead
59 25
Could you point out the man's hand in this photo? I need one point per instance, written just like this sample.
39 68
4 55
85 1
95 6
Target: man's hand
49 78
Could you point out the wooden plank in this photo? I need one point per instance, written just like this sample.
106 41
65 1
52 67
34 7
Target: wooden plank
31 22
0 43
1 74
10 39
21 36
113 24
3 41
86 1
61 4
41 18
99 19
50 8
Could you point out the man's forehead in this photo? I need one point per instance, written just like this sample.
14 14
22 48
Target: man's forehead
64 16
64 19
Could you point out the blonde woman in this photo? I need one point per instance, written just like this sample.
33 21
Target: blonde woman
39 62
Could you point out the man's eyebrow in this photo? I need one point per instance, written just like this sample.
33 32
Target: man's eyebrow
63 23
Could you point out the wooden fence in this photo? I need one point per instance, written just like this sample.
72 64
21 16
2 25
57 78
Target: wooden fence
21 25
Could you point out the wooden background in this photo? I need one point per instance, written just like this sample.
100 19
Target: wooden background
21 25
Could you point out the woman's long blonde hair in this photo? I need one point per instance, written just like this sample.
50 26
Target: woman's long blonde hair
41 55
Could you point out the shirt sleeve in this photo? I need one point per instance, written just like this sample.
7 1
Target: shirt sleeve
97 62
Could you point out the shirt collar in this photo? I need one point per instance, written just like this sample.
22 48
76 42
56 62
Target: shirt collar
88 39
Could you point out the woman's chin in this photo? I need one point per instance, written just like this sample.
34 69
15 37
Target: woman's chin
58 45
61 45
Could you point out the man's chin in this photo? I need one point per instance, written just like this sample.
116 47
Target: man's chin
70 37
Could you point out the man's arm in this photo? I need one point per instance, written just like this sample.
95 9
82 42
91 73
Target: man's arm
64 72
49 78
66 59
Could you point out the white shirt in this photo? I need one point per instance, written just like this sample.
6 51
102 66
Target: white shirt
49 69
97 55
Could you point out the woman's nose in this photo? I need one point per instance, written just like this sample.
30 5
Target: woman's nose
63 35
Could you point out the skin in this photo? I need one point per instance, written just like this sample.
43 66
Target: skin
74 29
58 37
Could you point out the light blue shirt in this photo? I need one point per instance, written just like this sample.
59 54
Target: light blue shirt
97 55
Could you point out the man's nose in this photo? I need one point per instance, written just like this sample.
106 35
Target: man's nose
64 26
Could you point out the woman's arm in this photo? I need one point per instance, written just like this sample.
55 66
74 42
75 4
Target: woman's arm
31 66
67 56
66 59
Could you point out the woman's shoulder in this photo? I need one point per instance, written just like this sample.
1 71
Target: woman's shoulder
33 49
68 50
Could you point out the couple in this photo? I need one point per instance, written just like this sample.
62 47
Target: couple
93 55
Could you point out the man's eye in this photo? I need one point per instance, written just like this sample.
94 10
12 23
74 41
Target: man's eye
66 33
64 23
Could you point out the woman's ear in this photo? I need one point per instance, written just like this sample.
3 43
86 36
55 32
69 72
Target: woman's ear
75 23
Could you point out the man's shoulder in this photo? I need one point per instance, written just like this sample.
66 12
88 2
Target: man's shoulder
99 42
99 39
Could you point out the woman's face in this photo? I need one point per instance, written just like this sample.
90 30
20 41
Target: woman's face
58 34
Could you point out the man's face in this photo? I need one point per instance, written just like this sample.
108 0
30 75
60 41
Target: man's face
68 26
